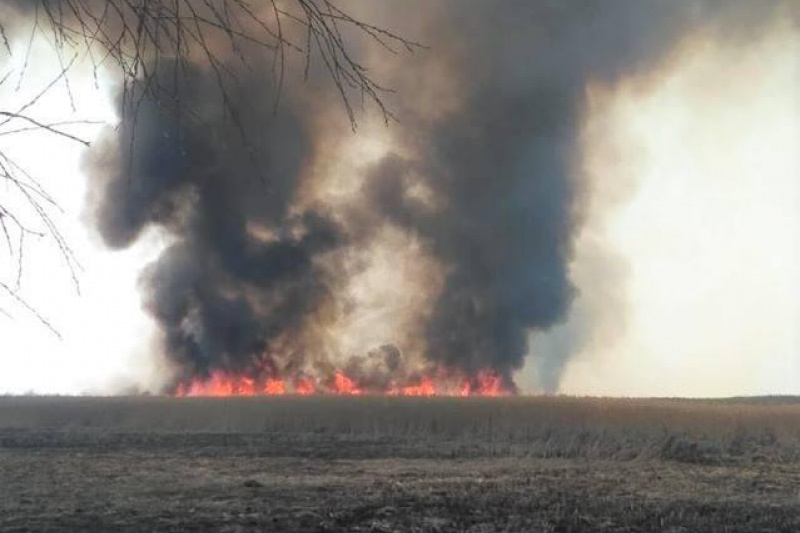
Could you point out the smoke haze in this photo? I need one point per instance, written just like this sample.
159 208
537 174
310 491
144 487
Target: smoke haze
277 234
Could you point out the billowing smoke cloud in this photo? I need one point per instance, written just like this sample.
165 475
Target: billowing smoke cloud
240 275
503 230
504 162
483 170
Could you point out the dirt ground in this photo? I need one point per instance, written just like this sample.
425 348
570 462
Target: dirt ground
93 479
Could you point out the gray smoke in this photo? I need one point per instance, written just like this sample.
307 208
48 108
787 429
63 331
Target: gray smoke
502 165
241 271
490 117
504 161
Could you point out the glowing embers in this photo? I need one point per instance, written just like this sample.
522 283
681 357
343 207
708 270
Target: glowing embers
440 383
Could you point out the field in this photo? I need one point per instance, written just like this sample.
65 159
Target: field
325 464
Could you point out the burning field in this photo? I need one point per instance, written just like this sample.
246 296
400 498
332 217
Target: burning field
345 309
449 235
222 384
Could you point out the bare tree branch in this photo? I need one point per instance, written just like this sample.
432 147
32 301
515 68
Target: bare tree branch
131 38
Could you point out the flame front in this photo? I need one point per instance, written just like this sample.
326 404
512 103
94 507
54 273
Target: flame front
222 384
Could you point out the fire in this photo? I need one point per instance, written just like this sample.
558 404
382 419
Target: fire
426 388
274 386
222 383
486 384
304 386
344 385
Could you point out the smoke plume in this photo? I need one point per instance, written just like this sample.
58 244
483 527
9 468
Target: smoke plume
481 173
503 161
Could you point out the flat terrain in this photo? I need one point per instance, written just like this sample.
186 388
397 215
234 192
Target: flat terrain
399 464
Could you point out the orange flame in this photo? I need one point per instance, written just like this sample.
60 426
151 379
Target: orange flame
274 387
304 386
344 385
442 383
425 388
486 383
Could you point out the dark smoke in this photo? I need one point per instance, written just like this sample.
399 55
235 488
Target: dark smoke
501 166
504 162
490 118
241 271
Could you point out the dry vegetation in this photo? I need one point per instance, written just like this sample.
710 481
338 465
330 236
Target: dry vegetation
399 464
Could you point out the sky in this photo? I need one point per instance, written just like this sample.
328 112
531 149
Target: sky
710 229
98 320
706 303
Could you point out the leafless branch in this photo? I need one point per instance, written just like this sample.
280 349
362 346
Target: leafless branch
132 38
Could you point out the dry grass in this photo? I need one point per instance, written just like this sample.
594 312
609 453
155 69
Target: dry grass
694 431
441 465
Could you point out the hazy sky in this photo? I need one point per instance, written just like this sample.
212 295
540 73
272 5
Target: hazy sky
695 172
707 222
